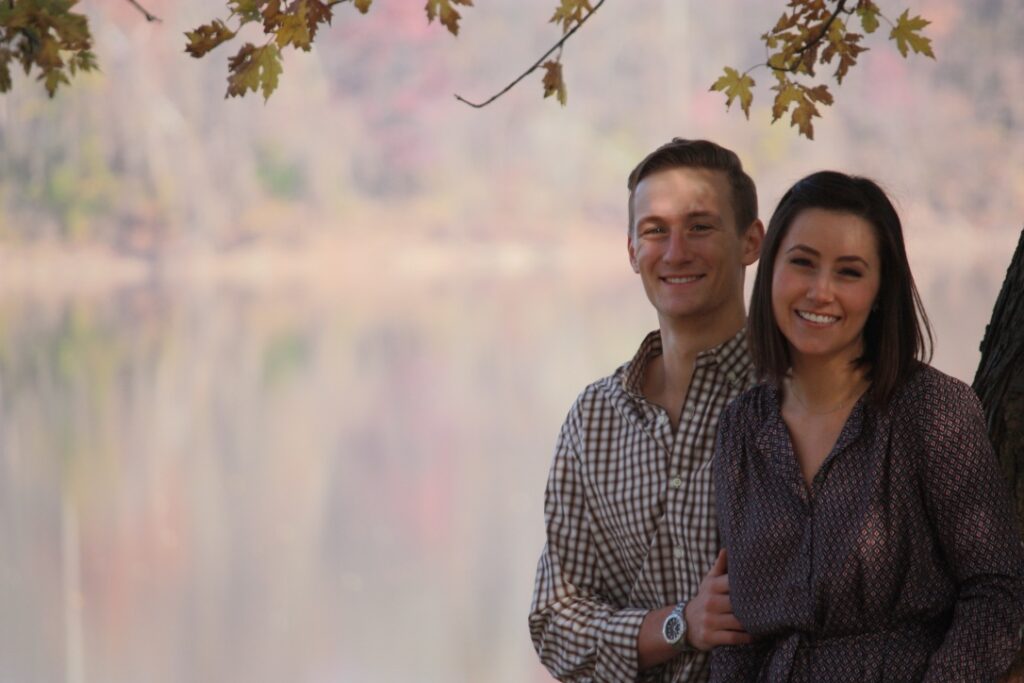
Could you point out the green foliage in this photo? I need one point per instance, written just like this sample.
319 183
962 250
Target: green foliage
45 36
813 33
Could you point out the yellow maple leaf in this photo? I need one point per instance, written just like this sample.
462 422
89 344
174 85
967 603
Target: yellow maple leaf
802 115
553 82
448 15
254 68
906 34
571 12
293 28
734 85
788 93
363 5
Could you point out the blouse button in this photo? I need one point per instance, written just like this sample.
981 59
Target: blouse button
676 483
677 552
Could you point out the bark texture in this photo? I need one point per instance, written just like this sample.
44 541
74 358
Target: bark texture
999 384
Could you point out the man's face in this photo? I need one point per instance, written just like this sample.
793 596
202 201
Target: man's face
685 246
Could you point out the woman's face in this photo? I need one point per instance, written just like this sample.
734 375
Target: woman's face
825 280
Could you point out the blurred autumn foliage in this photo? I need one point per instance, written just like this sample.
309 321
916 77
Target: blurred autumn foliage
48 36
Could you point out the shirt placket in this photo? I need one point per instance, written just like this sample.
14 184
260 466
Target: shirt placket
688 481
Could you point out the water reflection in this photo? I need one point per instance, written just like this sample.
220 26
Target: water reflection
217 484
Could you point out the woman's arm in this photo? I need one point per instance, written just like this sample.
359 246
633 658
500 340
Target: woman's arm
968 501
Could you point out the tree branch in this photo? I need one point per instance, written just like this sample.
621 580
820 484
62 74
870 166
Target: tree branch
536 65
812 42
145 12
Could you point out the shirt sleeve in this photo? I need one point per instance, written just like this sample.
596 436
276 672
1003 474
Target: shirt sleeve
969 505
578 635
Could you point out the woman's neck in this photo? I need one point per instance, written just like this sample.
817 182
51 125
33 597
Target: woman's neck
825 386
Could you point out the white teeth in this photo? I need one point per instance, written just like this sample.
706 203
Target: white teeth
816 318
682 280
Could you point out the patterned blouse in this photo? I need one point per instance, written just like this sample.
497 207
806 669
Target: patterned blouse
902 563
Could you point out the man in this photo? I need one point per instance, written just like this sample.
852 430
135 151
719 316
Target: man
631 584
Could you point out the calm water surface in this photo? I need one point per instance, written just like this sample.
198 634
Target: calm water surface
286 485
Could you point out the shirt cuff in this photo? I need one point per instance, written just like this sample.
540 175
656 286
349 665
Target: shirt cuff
617 656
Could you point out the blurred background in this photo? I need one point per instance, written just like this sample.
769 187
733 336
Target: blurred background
280 382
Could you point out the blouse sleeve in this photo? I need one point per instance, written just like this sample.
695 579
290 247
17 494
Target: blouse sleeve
969 505
732 663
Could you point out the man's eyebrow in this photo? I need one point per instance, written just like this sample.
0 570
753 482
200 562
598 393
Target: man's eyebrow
690 215
815 252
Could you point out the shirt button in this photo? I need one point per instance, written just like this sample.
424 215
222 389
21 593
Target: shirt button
676 483
677 552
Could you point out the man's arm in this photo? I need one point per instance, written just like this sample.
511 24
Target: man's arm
577 633
709 620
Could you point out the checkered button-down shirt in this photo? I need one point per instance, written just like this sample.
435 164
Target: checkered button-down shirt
629 509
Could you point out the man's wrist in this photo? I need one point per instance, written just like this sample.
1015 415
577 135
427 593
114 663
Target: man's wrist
674 629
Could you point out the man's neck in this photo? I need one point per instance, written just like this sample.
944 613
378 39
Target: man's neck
683 340
668 378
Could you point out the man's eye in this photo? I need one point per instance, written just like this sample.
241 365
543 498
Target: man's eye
702 227
654 230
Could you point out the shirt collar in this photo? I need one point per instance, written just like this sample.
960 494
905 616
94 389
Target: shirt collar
731 356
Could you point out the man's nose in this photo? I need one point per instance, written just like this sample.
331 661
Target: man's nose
678 248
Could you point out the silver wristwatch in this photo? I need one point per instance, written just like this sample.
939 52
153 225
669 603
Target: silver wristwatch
674 628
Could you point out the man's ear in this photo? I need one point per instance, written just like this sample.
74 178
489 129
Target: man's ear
753 238
631 248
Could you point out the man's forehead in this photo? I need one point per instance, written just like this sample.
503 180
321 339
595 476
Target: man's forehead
696 189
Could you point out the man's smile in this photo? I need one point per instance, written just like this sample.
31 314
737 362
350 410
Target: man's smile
681 279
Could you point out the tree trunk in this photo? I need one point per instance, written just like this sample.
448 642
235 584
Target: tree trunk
999 384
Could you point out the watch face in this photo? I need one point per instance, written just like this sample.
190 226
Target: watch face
673 628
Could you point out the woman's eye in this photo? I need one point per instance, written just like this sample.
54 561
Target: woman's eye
801 261
850 272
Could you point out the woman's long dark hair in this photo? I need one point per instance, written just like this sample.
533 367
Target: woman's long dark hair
897 334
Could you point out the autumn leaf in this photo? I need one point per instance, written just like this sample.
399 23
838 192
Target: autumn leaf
571 12
802 115
846 46
272 16
246 10
788 93
785 22
363 5
820 94
207 37
292 28
5 72
52 78
48 54
82 61
906 33
553 82
868 13
254 68
448 15
317 12
735 85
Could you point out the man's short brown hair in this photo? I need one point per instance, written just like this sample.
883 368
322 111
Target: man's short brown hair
701 154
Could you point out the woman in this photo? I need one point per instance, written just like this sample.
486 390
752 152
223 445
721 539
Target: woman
869 531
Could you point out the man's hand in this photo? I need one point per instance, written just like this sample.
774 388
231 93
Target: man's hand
709 617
